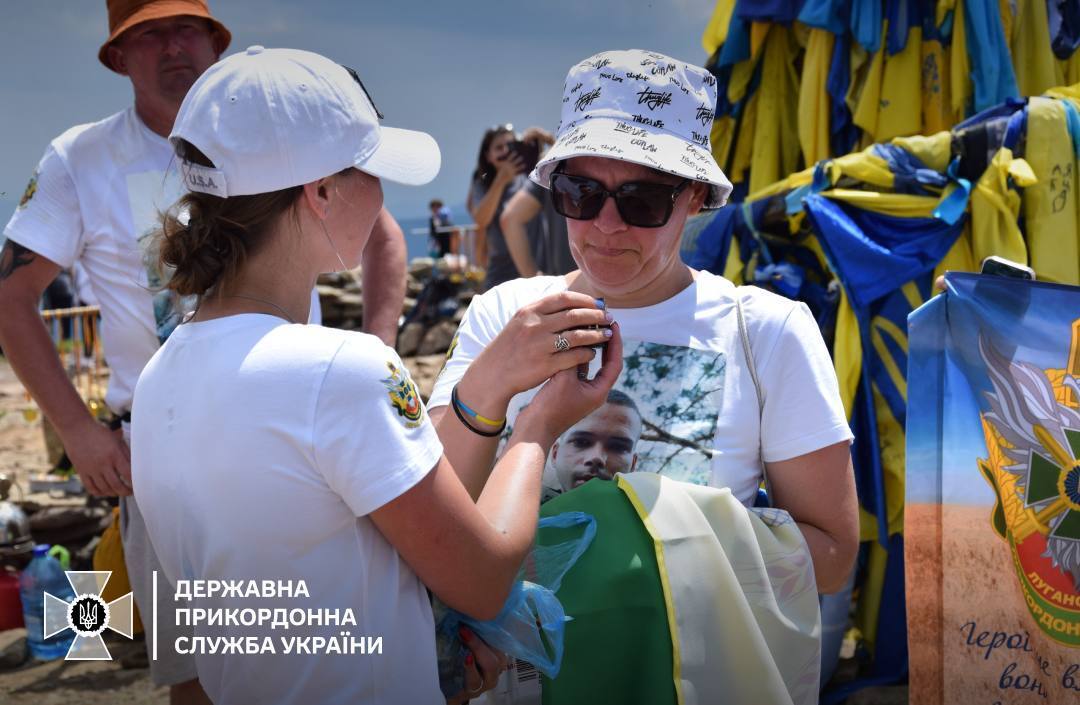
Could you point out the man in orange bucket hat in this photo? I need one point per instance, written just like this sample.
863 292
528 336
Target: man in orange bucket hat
125 14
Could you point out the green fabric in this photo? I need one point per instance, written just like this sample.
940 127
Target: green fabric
618 644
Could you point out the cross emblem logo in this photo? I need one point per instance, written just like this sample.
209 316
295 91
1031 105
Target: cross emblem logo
88 615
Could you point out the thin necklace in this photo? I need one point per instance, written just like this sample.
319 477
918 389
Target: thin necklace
333 247
284 313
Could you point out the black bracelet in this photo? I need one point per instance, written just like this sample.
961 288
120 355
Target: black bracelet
461 417
117 422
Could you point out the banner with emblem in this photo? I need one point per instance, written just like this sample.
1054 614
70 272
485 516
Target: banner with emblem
992 519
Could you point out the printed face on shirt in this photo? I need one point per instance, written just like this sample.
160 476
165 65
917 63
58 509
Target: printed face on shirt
599 445
672 390
164 57
618 259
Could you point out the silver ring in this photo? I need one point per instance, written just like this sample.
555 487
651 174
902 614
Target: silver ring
478 688
561 343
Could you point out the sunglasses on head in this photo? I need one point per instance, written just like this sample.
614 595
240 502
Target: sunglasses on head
356 77
642 204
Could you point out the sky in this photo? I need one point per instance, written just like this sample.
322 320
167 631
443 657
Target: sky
452 69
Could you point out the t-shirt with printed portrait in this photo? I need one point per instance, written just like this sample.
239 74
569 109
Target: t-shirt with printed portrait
689 408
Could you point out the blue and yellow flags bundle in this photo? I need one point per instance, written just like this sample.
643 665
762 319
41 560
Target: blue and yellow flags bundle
993 493
685 597
855 72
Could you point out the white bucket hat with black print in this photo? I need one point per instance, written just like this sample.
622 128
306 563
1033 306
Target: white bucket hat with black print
640 107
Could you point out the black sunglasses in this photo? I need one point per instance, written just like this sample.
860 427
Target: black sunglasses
356 77
642 204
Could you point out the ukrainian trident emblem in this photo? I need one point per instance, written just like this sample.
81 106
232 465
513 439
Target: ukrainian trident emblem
88 615
1033 437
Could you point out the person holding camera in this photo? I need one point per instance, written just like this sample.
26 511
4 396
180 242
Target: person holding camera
532 206
501 171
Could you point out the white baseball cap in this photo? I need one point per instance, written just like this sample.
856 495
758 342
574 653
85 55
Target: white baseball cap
270 119
641 107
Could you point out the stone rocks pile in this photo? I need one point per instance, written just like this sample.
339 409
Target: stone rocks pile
342 300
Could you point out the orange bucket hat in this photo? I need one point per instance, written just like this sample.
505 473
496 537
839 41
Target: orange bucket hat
125 14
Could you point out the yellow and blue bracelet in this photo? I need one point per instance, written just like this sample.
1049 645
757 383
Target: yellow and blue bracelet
462 410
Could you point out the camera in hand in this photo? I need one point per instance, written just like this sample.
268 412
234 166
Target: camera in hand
528 151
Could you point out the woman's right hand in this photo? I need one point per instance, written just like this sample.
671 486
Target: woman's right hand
569 396
524 354
508 167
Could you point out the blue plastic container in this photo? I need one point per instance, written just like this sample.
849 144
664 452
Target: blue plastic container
44 574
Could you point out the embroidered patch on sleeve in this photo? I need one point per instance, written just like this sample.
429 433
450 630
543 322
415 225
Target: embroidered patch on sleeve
31 189
404 397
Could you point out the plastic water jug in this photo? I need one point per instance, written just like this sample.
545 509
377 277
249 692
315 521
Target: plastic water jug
44 574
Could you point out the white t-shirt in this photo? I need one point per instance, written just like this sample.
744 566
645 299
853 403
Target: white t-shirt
258 449
99 189
95 199
685 372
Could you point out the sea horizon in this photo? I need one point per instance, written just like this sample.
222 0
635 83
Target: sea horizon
416 244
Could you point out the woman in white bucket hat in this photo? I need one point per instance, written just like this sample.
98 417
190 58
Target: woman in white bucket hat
270 453
631 162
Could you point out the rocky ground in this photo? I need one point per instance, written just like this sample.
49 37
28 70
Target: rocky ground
125 680
22 453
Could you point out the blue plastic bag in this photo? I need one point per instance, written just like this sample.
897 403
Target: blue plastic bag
531 624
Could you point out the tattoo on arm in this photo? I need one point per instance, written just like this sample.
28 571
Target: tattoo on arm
12 257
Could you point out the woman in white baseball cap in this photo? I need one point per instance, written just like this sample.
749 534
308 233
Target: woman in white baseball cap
631 162
301 457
